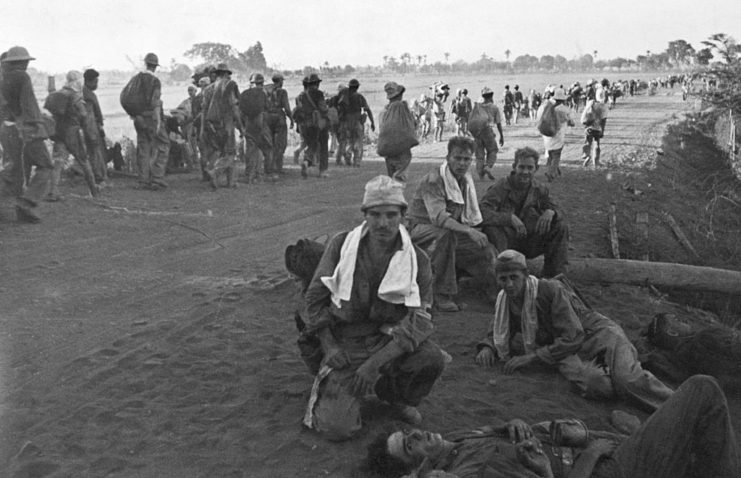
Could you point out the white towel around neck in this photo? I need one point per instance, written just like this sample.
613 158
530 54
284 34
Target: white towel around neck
529 319
471 214
399 284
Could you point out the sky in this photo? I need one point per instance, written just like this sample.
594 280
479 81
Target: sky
111 34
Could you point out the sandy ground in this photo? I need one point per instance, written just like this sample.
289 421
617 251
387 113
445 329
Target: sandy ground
150 334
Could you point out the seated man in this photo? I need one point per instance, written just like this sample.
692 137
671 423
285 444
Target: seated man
518 214
443 219
545 321
367 304
691 435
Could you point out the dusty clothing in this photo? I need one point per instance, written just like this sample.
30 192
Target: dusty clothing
351 106
275 120
220 118
485 138
449 250
22 135
503 199
317 139
362 326
690 435
563 113
152 141
258 139
94 135
570 334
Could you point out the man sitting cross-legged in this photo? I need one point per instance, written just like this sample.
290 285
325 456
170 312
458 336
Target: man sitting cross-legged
443 219
518 213
545 321
368 305
691 435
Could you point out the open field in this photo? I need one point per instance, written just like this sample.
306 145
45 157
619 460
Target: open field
150 334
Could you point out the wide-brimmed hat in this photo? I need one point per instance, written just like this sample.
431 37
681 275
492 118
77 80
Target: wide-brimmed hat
485 91
222 68
151 59
204 81
393 89
383 191
257 79
17 53
312 79
277 77
559 95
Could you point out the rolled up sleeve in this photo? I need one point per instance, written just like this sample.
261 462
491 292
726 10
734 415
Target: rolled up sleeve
433 195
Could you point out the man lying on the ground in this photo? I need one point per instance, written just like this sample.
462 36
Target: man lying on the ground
691 435
443 220
518 213
368 304
545 321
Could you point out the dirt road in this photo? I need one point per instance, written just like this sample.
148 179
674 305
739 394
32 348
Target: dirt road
150 333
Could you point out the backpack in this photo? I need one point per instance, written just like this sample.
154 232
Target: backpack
548 123
253 102
133 96
57 103
478 120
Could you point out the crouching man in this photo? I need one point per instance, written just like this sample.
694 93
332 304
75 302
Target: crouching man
690 435
444 219
518 213
368 304
545 321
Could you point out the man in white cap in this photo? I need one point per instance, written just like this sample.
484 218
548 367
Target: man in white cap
545 321
22 134
368 305
444 220
554 144
70 115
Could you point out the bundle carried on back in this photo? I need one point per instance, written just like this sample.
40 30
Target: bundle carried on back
397 132
133 97
548 122
478 120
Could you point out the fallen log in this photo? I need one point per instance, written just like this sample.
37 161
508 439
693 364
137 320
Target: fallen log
666 275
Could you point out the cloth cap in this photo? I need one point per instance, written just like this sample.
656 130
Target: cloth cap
205 81
341 86
74 80
354 83
17 53
222 67
151 59
90 74
560 94
393 89
383 191
486 91
510 260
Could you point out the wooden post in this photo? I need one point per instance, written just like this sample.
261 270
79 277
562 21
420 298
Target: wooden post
680 235
614 242
642 230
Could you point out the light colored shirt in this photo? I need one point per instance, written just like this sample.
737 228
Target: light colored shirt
564 119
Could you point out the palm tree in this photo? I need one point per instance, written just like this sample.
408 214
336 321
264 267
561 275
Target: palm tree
507 53
447 55
594 53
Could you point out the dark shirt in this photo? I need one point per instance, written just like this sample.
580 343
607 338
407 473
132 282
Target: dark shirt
22 106
94 115
505 198
365 313
560 332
